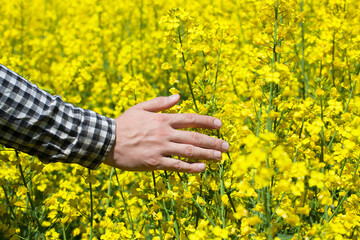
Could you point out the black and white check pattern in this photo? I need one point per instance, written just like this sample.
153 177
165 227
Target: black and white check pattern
35 122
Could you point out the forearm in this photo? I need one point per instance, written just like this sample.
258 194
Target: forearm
40 124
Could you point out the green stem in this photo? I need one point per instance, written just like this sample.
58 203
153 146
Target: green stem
342 166
275 35
203 178
351 93
197 204
64 232
332 139
296 153
156 195
91 208
333 59
269 122
109 188
321 109
357 166
205 62
217 66
305 81
267 203
345 196
33 212
277 205
187 74
221 172
125 205
337 207
322 144
8 203
172 201
259 120
154 181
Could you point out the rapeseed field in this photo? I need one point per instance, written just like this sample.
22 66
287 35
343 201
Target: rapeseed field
283 77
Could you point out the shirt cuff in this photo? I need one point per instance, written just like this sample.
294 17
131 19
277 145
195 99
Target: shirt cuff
37 123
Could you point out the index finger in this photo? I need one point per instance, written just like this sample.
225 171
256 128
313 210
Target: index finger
186 120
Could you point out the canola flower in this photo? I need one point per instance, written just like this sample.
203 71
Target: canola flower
281 75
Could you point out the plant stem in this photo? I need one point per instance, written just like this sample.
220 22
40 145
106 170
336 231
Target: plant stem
109 188
176 227
221 173
187 74
258 119
8 203
28 192
217 66
125 205
269 122
64 232
351 93
197 204
156 195
91 208
356 167
154 181
305 81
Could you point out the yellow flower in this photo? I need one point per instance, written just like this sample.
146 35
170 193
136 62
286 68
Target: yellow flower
166 66
319 92
198 235
219 232
303 210
317 179
188 195
22 190
157 216
174 90
254 220
188 65
173 80
272 77
325 198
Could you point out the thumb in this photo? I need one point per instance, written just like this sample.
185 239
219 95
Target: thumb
159 103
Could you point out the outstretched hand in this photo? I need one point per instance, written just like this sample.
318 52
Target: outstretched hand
145 139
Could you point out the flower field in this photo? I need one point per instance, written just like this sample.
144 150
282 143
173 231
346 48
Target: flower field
283 76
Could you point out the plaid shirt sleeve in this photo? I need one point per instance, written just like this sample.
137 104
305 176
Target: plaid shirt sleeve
35 122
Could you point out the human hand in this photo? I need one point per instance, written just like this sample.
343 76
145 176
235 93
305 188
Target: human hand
145 139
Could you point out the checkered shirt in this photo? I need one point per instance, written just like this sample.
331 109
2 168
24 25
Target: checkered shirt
37 123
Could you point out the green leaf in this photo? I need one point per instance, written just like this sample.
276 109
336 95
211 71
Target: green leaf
285 237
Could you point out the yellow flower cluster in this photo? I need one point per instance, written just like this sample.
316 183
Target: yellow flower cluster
281 75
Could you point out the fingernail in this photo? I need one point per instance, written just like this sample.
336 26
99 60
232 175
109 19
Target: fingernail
217 154
225 146
217 123
201 166
173 97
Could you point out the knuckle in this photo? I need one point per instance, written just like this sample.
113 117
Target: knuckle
157 150
195 137
162 133
189 151
217 144
190 118
160 117
178 165
153 163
